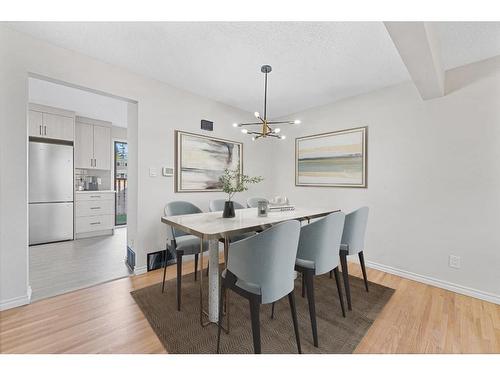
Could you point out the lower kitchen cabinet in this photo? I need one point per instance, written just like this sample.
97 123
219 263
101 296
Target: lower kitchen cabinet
95 213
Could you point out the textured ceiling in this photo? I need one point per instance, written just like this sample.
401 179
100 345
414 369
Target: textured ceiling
467 42
314 63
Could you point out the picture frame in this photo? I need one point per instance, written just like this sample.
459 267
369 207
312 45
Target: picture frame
200 160
333 159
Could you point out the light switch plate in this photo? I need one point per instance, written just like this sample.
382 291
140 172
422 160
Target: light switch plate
152 172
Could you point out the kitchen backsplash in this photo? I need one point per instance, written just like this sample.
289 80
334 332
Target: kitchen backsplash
103 176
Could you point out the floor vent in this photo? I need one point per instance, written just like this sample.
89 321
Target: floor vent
156 259
130 258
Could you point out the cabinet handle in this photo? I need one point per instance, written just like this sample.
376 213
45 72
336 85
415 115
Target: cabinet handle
95 208
95 162
45 130
97 222
40 130
95 196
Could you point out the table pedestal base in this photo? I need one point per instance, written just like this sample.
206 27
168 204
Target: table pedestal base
213 285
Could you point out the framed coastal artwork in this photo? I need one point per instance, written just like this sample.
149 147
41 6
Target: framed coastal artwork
201 160
335 159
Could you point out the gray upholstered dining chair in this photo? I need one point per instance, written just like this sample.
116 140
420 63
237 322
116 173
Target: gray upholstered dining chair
254 201
261 269
218 205
181 243
353 242
317 254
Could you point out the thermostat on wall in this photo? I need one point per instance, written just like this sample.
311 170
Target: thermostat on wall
167 172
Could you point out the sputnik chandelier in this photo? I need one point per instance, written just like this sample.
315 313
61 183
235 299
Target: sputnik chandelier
265 126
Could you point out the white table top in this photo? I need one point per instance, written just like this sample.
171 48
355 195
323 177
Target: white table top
211 225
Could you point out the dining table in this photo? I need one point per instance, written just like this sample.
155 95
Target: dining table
212 228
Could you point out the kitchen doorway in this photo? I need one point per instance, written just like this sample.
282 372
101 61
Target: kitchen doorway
96 133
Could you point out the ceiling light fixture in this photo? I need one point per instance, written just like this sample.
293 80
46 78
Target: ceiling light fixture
266 130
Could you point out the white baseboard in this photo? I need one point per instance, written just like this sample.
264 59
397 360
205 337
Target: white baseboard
140 270
16 301
485 296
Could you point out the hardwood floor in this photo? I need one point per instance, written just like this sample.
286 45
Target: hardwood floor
105 319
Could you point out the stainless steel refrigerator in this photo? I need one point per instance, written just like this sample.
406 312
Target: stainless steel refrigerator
50 192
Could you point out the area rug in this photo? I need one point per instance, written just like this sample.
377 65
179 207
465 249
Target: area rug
181 332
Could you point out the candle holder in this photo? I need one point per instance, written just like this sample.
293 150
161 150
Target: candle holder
262 208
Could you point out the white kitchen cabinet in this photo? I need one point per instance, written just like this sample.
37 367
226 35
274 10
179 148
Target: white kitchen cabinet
92 144
102 147
35 124
50 123
84 146
94 213
94 207
57 127
92 226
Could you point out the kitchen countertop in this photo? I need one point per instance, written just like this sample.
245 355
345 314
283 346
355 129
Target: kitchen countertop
94 191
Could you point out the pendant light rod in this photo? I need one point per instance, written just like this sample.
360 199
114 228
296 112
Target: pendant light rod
266 129
265 69
265 100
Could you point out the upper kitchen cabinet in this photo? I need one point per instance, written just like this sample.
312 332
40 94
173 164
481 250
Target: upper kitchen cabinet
51 123
102 147
92 144
84 145
35 123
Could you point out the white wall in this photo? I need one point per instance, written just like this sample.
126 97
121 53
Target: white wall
433 183
84 103
118 133
160 110
433 180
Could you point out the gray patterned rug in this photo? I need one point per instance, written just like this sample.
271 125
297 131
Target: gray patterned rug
180 332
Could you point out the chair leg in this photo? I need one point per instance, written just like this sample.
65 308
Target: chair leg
195 267
339 289
206 272
345 274
164 273
291 300
179 280
331 274
272 311
309 276
254 315
221 315
363 268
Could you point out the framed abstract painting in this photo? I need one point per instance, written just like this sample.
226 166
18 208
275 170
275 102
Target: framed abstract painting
336 159
200 161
